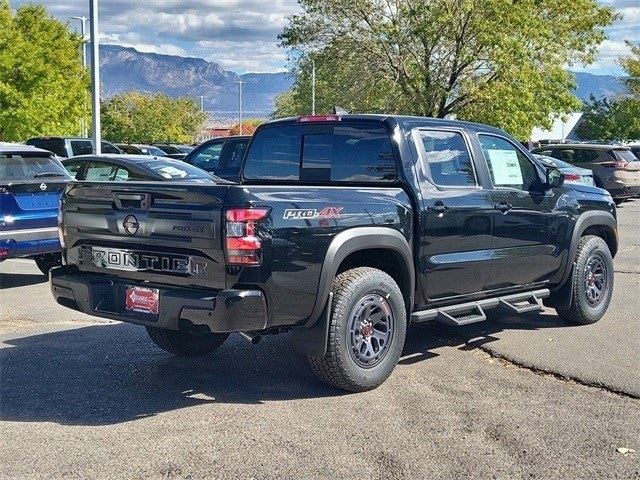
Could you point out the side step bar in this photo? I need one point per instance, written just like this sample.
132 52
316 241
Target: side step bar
472 312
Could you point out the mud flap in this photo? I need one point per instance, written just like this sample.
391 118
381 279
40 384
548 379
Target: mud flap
313 341
561 298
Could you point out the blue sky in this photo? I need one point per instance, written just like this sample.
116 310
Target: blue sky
241 35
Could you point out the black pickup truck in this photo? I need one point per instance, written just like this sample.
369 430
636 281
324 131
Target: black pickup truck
343 229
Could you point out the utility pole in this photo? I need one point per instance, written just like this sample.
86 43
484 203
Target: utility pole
95 77
313 86
240 82
202 103
83 31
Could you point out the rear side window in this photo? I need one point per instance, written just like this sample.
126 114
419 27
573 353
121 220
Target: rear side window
81 147
322 153
448 158
106 147
100 172
55 145
583 155
19 168
236 153
625 155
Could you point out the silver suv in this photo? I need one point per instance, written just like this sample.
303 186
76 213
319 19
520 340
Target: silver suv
615 168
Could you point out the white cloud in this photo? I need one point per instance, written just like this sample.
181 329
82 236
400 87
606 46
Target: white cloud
241 35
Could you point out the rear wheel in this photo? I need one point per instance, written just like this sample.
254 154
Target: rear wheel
592 282
47 261
367 331
186 344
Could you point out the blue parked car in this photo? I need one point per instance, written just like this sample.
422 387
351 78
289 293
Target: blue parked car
31 182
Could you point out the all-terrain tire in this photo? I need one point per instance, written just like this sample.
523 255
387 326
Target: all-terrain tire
47 261
592 282
367 331
185 344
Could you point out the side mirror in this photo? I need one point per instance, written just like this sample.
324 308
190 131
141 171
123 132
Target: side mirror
555 178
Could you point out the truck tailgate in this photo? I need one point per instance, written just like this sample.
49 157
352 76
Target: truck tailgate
157 232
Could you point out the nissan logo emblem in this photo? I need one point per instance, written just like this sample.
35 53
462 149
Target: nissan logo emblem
131 225
43 186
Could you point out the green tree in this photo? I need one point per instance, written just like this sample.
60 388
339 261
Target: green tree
618 118
44 90
496 61
249 125
134 117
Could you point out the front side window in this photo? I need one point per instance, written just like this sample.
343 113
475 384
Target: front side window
448 158
73 168
508 166
208 158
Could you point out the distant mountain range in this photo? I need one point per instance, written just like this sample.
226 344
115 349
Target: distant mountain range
125 69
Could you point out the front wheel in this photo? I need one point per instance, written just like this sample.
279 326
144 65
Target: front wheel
592 282
47 261
367 331
186 344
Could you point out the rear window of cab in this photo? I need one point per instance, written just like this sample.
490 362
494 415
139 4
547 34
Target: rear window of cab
353 153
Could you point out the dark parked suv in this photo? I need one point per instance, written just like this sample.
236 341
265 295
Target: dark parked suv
615 168
221 156
70 146
31 181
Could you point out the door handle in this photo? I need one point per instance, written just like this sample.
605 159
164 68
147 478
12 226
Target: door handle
438 208
503 207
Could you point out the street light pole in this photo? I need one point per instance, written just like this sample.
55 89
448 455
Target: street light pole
95 77
240 82
202 103
83 31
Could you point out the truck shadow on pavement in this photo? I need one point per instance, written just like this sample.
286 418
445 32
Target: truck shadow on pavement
470 337
109 374
13 280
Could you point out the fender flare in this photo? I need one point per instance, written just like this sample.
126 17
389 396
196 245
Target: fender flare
311 338
561 296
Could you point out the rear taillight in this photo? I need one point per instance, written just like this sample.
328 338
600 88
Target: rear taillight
243 246
616 164
60 223
571 177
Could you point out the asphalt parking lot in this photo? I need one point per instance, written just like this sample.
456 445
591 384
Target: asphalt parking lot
514 397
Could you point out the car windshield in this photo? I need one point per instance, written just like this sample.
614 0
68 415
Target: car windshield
154 151
169 149
20 167
177 170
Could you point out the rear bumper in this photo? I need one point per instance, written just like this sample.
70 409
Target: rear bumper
220 311
620 189
26 243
